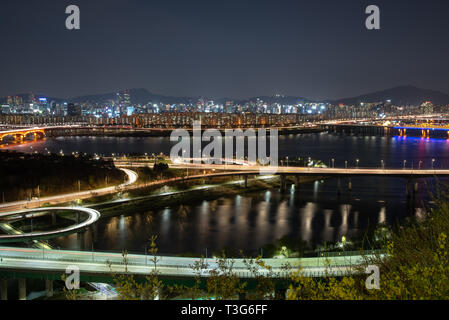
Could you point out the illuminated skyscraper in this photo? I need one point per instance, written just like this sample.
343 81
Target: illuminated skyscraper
31 98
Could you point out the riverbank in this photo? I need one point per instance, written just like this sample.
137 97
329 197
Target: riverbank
190 193
110 132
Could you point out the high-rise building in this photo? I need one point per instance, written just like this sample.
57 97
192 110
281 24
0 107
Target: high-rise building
123 100
73 110
127 98
31 98
5 109
427 107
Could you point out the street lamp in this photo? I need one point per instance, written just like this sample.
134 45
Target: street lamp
333 163
419 165
346 164
357 163
433 162
382 164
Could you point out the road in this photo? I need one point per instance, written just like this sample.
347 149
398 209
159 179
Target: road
28 259
246 168
93 216
25 204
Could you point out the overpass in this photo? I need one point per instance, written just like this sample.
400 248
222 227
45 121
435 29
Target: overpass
92 217
49 265
244 168
316 171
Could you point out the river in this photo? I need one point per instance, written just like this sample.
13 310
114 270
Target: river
315 214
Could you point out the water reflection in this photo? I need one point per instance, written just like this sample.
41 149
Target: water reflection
165 223
382 215
307 213
345 210
250 221
356 219
328 231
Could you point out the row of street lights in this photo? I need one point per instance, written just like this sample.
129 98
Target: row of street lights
357 161
382 164
419 164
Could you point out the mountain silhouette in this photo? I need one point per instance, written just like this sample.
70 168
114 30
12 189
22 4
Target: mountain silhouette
403 95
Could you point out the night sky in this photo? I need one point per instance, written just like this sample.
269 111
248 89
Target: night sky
235 48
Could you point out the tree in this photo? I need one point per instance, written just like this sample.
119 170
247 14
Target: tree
160 167
154 285
222 282
198 267
264 277
129 288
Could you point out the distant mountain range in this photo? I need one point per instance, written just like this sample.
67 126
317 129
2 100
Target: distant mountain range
403 95
142 96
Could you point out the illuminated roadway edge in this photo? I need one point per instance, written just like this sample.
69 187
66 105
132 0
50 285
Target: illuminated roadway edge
32 261
94 215
62 198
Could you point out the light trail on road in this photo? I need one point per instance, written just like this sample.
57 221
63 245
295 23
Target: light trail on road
25 204
93 216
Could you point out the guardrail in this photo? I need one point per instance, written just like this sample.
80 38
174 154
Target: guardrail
352 253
